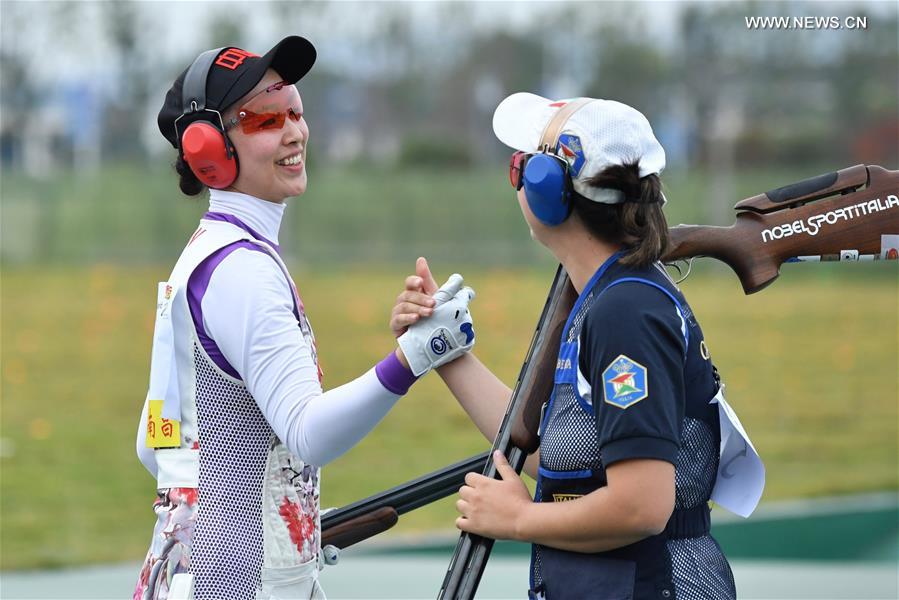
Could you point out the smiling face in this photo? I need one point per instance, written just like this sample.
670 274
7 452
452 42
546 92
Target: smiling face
272 161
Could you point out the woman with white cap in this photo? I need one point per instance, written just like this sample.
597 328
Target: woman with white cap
629 447
236 423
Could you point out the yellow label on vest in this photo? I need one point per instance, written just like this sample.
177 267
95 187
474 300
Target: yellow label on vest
566 497
161 433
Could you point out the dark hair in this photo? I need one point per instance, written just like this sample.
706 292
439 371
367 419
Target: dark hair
638 223
188 182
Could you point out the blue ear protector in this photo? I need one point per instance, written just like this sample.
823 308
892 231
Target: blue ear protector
547 188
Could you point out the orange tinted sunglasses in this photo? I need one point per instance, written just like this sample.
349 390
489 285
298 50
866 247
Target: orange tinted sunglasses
516 169
269 109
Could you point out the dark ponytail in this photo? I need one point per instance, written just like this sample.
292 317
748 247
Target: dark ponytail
188 182
638 223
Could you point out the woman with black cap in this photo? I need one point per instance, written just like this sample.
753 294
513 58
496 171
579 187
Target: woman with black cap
629 446
236 425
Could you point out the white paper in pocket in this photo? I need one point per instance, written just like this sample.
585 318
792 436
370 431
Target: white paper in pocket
741 473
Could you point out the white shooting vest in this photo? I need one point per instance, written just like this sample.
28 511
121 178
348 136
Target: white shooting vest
180 370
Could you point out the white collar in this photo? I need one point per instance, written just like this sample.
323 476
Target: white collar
262 216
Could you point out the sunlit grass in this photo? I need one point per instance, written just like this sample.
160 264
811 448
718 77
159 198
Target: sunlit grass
810 365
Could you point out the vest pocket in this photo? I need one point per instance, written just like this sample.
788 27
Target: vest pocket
575 576
283 583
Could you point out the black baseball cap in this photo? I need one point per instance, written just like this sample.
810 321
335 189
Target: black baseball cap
233 75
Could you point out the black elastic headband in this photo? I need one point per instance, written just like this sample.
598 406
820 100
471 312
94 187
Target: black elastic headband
193 90
193 94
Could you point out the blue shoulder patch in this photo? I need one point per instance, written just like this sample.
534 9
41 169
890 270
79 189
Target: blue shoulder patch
624 382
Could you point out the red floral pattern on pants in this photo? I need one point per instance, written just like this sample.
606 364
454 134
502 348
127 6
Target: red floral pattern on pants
301 526
184 495
169 553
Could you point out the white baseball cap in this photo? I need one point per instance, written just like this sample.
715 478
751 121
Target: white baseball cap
600 134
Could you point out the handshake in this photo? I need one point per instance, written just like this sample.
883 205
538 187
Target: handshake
445 334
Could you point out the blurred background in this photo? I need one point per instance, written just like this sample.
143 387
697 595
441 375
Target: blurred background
403 163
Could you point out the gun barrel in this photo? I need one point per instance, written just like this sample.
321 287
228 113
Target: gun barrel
472 551
410 495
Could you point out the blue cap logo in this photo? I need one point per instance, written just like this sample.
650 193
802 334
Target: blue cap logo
572 152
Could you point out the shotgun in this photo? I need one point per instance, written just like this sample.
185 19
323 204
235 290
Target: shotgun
851 214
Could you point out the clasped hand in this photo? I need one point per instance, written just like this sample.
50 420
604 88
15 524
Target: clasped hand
492 507
445 332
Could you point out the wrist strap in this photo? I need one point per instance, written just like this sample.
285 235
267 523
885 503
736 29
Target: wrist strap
393 375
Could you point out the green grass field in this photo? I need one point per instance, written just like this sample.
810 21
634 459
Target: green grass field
810 364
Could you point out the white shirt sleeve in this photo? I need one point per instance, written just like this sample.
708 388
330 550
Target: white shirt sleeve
248 311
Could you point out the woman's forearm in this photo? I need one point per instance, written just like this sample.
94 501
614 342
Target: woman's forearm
636 504
480 393
593 523
483 397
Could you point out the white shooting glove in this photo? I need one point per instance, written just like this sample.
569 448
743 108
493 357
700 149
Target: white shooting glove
446 334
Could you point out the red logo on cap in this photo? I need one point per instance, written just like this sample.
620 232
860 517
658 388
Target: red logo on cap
233 58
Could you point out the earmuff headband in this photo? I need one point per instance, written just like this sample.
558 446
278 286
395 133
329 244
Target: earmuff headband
550 139
193 90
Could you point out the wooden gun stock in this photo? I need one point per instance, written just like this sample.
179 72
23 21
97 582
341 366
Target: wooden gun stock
360 528
837 216
536 389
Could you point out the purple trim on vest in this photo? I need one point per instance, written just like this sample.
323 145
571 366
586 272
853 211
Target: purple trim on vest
198 282
196 289
217 216
393 375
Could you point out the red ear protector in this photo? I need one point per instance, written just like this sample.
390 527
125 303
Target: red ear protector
204 144
209 153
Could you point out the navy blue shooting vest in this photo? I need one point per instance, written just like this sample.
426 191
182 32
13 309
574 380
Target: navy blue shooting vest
571 465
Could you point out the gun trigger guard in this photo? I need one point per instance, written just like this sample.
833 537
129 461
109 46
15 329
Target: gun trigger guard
689 270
